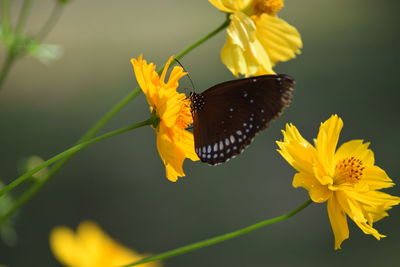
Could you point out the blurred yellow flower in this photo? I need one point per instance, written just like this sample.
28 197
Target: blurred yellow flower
91 247
256 38
174 142
347 178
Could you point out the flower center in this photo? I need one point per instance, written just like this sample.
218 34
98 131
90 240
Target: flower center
268 6
185 116
349 170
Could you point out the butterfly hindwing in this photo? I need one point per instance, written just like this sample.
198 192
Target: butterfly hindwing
227 116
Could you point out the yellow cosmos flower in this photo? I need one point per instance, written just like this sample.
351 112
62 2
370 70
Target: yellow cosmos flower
174 142
91 247
347 178
256 38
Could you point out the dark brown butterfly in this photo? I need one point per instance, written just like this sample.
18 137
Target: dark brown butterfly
227 116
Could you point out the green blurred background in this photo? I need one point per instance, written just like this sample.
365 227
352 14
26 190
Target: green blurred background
350 66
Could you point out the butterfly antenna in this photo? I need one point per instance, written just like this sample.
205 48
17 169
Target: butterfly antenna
194 88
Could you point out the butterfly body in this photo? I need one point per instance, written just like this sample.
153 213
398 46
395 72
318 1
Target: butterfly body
227 116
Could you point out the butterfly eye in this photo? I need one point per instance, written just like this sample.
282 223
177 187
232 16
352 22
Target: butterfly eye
227 116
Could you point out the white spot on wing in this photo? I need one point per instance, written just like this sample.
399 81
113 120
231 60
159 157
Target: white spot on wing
227 141
215 147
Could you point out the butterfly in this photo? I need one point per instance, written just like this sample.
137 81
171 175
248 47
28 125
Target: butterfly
227 116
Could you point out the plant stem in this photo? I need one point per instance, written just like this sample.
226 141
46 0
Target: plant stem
17 49
23 15
51 21
202 40
8 62
69 152
218 239
99 125
6 15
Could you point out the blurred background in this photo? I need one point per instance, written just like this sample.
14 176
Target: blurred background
349 66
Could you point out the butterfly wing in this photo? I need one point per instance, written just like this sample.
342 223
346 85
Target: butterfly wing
227 116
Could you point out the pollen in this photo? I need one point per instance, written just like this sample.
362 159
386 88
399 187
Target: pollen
349 170
270 7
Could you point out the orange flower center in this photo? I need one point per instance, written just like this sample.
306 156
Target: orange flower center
270 7
185 116
349 170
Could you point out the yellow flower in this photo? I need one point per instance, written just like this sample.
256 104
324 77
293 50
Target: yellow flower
347 178
91 247
256 38
174 142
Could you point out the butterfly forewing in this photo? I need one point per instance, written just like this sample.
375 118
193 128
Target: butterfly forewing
227 116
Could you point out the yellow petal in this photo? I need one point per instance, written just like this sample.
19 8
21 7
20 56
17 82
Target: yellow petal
338 220
184 140
281 40
242 52
62 244
230 6
145 75
326 142
169 110
89 247
357 149
318 193
355 212
378 200
173 81
296 150
241 30
172 157
165 69
376 178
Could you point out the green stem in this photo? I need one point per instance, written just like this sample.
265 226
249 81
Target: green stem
202 40
6 15
23 15
7 64
51 21
69 152
218 239
16 50
99 125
